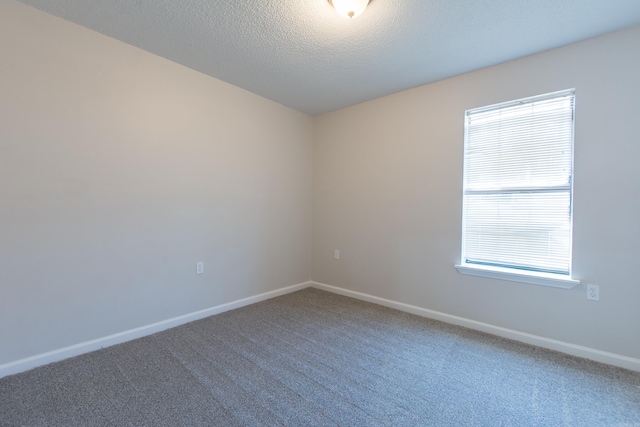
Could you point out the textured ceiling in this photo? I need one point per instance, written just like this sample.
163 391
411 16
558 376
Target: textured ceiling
302 54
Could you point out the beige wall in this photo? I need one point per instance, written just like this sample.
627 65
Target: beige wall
118 171
388 182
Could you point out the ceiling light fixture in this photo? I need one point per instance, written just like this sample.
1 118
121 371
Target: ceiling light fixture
349 8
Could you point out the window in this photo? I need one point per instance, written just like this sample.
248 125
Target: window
517 195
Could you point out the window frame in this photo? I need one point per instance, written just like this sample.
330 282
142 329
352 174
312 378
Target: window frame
518 274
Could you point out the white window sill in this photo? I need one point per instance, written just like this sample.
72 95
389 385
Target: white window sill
531 277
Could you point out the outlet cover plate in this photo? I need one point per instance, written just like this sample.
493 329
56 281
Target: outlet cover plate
593 292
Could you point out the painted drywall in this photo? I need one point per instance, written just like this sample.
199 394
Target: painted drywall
118 171
388 195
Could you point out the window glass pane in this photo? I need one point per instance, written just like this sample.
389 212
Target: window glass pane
520 146
517 184
531 231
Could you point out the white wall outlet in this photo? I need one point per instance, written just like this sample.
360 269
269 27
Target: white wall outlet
199 267
593 292
336 254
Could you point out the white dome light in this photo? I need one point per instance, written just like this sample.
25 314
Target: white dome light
349 8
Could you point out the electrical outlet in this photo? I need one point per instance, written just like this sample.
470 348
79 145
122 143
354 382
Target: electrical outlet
593 292
199 267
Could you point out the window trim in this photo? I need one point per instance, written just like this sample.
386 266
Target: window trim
565 281
523 276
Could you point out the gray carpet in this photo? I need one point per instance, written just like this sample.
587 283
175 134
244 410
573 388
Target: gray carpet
312 358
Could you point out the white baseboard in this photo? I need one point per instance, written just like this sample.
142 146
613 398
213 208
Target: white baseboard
88 346
121 337
564 347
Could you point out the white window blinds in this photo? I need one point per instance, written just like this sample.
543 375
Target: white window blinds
517 184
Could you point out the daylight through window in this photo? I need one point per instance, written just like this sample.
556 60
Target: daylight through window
517 198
